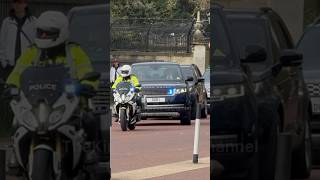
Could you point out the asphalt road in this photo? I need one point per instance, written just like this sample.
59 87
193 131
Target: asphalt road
159 149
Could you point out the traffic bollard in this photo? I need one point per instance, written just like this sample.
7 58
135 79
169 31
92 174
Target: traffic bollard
196 135
284 153
2 164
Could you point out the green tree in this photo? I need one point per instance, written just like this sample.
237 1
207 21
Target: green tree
157 9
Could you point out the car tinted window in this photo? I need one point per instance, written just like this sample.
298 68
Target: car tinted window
187 72
310 49
157 72
220 43
92 40
249 31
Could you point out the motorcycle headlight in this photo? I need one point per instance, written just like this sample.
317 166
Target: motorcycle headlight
56 115
129 97
231 91
71 89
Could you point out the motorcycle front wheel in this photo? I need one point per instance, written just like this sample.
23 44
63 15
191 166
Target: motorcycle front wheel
123 119
42 165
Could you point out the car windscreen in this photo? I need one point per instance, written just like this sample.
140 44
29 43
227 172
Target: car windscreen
188 71
248 31
157 72
220 43
309 47
92 40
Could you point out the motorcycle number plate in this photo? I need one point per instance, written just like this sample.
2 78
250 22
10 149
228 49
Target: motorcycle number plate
155 100
315 105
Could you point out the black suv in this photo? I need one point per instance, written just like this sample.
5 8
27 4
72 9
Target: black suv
165 91
196 88
283 99
234 113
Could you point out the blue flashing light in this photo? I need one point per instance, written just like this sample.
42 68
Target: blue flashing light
171 91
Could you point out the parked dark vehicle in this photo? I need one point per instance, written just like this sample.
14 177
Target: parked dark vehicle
95 42
165 91
308 45
234 117
283 100
196 88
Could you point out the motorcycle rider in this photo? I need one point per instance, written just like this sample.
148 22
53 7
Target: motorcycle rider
52 47
127 76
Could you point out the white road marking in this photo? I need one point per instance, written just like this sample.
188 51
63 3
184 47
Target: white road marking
161 170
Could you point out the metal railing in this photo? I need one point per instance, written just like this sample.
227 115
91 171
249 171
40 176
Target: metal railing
152 35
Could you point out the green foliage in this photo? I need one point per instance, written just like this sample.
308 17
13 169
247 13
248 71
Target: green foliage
165 9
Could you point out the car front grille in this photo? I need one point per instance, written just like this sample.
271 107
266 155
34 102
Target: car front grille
100 101
314 89
154 91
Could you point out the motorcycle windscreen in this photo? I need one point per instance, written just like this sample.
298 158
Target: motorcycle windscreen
44 83
124 87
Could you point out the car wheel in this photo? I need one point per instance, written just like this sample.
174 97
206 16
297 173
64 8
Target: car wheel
185 118
204 110
302 157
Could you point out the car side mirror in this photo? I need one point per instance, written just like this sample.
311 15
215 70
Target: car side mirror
291 58
91 76
189 79
254 54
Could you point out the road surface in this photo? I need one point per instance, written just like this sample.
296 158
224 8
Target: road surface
159 149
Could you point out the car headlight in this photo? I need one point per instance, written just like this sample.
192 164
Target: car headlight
56 115
232 91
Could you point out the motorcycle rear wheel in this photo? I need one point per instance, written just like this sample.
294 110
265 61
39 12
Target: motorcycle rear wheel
42 165
123 119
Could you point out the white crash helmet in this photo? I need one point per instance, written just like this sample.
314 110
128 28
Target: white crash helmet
52 29
125 71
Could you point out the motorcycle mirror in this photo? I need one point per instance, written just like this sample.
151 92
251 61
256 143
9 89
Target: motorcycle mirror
92 76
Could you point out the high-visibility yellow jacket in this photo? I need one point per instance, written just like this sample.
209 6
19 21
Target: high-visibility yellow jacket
81 63
133 79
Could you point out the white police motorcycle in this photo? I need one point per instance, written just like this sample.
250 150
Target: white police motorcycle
125 97
49 138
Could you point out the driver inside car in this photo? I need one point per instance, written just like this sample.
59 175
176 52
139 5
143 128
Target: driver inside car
52 48
126 76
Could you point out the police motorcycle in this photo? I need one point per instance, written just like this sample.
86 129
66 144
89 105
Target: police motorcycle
125 104
49 139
